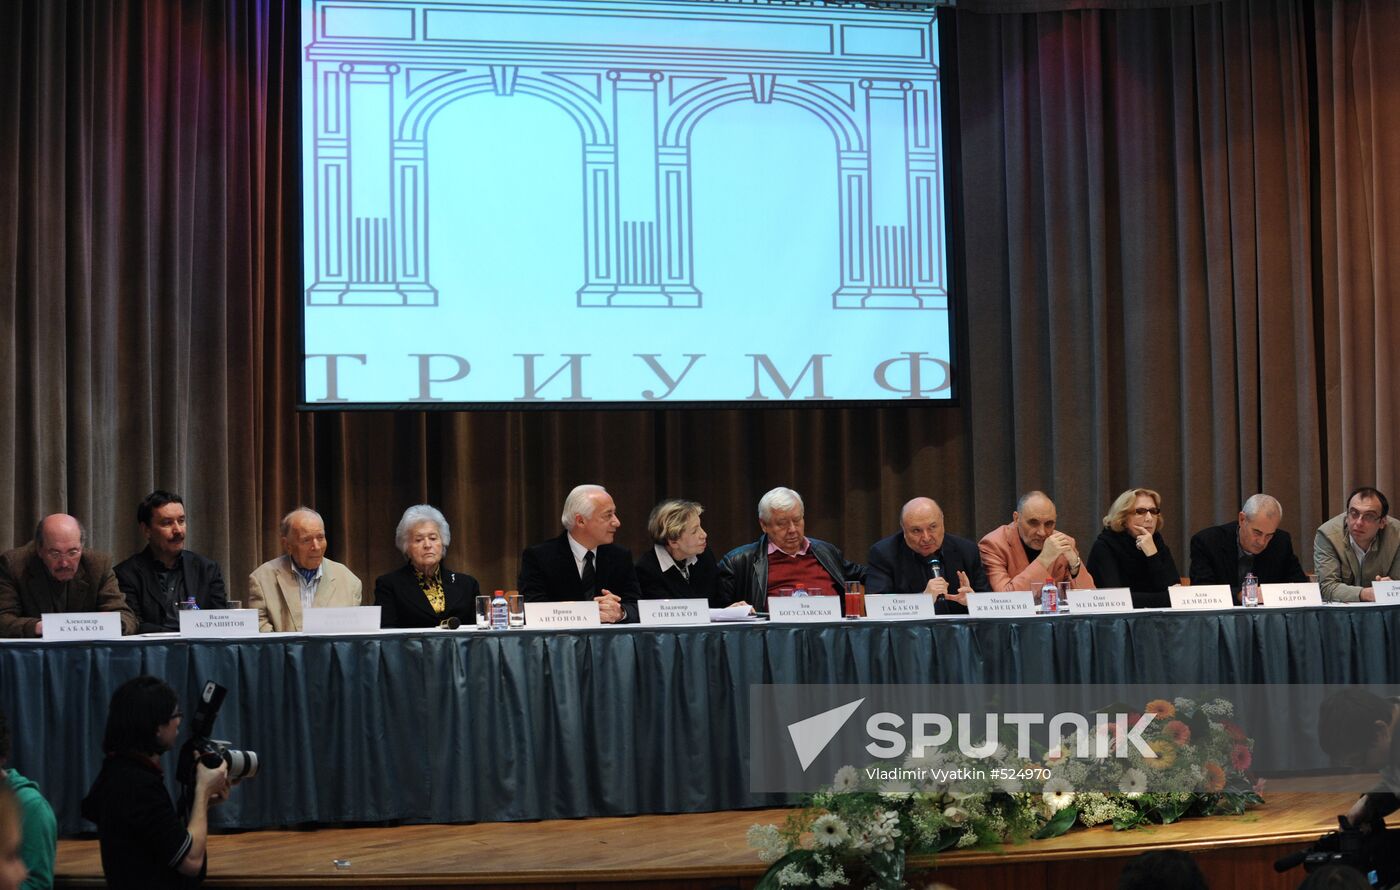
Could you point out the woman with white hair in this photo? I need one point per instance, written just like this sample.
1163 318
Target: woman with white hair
422 593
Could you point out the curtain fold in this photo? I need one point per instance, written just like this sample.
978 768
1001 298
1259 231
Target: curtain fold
1177 225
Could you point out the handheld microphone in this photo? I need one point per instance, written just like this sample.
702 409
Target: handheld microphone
451 622
935 567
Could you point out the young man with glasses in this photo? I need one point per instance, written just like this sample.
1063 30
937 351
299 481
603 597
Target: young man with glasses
145 844
57 573
1357 548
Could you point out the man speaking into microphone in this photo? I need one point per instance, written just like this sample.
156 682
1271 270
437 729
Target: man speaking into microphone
922 556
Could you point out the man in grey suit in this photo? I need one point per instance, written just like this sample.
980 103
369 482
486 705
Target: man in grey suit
282 588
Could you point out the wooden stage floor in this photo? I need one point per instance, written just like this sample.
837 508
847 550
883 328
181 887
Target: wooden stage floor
707 850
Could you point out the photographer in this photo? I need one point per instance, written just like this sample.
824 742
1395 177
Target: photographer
1357 728
144 843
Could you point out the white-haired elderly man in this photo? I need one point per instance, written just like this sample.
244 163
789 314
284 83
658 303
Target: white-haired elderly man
783 557
583 563
282 589
422 592
1253 543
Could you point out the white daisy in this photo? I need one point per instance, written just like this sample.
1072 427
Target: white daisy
1058 794
1134 783
845 780
829 831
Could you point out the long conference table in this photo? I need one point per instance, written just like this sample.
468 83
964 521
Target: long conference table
466 726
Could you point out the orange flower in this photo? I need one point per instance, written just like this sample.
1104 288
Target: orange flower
1166 754
1178 732
1241 757
1162 708
1235 733
1215 778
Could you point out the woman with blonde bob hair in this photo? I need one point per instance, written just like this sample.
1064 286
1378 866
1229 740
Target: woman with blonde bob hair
1131 552
679 564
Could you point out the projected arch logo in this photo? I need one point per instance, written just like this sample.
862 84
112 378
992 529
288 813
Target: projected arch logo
500 191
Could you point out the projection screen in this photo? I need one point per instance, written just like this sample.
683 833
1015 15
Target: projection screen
606 202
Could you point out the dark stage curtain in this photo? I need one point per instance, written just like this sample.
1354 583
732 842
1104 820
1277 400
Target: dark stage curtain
1174 270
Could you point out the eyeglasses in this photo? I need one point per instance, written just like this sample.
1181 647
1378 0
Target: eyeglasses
1144 511
1368 517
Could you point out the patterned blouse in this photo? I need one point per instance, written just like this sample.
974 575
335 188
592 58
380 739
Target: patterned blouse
432 589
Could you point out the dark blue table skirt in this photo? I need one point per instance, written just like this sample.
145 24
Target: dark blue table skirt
462 727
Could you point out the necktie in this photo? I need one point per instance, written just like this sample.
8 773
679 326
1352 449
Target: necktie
589 577
685 570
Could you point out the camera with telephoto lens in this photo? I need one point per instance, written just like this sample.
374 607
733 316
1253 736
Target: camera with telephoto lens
1372 852
201 747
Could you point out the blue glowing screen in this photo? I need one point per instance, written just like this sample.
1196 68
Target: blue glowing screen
607 201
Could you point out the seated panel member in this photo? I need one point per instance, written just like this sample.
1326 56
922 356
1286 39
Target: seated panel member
1023 553
1360 546
678 565
783 556
583 563
902 563
57 573
1131 552
165 573
303 578
422 593
1224 554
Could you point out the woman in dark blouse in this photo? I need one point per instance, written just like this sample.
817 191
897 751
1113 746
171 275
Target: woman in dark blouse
679 565
423 593
1130 551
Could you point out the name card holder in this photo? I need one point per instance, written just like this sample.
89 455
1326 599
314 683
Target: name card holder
219 623
1289 596
801 609
1201 598
1002 604
559 616
340 620
674 612
1104 601
65 626
1387 592
899 606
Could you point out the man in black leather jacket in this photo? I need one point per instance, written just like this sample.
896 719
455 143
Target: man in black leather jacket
783 557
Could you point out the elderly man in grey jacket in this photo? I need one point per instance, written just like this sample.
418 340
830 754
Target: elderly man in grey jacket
1356 548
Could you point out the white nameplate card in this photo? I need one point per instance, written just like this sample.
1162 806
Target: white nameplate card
696 611
340 620
562 615
1001 604
82 625
219 622
899 606
1105 601
1387 592
804 608
1289 596
1201 597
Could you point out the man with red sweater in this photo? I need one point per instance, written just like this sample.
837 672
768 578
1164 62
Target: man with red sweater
784 557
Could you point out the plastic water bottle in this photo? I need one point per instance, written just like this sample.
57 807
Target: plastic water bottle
500 611
1249 591
191 604
1050 597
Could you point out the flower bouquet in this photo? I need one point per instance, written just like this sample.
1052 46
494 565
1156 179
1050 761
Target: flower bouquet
862 830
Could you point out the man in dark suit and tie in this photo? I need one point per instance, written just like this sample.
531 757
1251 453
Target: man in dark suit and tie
922 557
1224 554
583 563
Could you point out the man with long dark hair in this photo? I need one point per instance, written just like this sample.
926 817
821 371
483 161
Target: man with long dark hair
144 843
